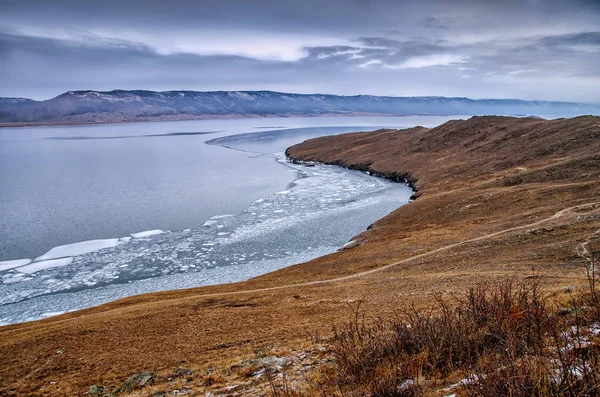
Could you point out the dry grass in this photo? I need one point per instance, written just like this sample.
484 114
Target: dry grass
475 178
502 339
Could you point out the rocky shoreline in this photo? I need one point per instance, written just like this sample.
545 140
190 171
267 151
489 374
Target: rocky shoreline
394 176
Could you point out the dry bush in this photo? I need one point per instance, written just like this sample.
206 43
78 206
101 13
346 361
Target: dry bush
505 339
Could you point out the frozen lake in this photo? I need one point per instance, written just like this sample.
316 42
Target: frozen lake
93 213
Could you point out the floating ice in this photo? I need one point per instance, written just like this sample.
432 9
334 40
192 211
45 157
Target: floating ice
80 248
43 265
51 314
147 233
221 216
321 211
12 278
6 265
125 239
209 223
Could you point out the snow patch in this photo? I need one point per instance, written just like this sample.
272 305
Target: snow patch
241 95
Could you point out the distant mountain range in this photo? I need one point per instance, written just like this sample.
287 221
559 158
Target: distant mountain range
75 107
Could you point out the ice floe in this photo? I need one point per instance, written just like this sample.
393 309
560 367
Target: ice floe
222 216
322 211
12 278
44 265
147 233
6 265
80 248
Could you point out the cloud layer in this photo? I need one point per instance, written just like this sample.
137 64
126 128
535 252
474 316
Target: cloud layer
514 49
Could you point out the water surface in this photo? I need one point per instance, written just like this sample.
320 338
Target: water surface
223 211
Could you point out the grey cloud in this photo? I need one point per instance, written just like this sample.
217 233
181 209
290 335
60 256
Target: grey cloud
320 52
42 67
438 22
534 49
573 39
553 55
381 49
381 42
344 16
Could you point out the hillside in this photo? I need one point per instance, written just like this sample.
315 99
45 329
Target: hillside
80 107
497 197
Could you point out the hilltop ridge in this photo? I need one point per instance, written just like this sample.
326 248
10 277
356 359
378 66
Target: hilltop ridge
81 107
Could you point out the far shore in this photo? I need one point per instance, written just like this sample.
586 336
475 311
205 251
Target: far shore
68 123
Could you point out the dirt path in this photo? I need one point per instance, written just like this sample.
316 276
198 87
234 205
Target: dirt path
412 258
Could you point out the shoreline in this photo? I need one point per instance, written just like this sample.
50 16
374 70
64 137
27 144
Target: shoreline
264 267
500 196
397 177
25 124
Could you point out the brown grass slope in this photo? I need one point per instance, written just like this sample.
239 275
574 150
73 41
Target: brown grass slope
498 197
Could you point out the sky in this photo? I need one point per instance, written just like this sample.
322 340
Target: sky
526 49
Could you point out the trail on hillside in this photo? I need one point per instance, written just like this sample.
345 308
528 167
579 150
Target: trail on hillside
592 206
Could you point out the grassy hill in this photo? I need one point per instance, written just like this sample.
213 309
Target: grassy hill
497 198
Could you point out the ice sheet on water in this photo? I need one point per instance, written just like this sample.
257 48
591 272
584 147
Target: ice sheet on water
51 314
222 216
37 307
12 278
146 233
7 265
321 211
80 248
44 265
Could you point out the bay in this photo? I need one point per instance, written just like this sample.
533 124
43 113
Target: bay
222 212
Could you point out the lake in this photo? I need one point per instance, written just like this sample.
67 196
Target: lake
106 211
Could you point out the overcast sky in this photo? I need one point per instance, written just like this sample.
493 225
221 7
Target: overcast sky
529 49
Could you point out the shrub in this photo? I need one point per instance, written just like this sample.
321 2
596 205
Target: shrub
503 339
